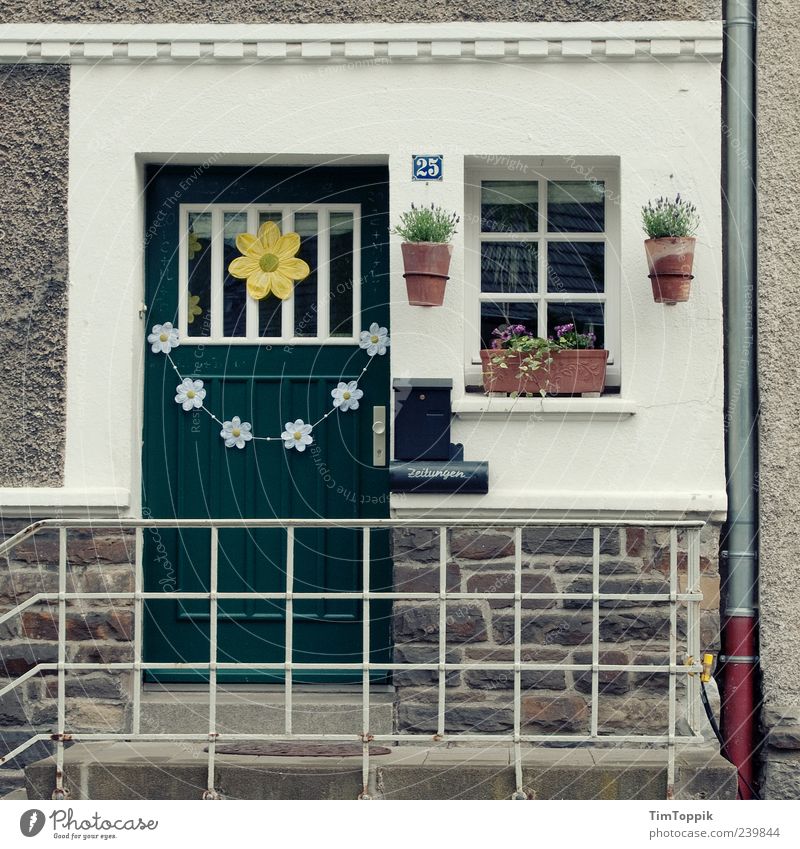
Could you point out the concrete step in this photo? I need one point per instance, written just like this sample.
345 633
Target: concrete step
14 795
247 710
179 771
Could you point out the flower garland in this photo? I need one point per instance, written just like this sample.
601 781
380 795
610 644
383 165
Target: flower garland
190 393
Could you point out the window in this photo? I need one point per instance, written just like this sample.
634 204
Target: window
214 307
542 251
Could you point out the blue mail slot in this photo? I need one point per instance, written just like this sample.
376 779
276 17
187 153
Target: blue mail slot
422 418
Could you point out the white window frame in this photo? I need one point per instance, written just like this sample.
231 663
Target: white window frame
610 237
287 337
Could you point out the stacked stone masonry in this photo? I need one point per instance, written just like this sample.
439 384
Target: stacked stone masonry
554 560
97 632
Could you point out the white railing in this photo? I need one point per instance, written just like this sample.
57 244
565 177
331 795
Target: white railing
688 665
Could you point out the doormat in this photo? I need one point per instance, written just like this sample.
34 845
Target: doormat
298 750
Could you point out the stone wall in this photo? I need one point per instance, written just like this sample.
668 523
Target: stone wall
777 118
346 11
97 631
632 560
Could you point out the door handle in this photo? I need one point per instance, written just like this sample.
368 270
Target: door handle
379 436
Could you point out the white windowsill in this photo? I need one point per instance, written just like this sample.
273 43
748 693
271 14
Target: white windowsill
611 408
45 502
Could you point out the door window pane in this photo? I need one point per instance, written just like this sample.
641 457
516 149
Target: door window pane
507 267
270 313
587 318
210 247
509 206
576 206
305 291
341 273
276 216
234 290
493 314
576 267
198 320
269 308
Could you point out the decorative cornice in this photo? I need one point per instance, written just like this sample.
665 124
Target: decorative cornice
662 41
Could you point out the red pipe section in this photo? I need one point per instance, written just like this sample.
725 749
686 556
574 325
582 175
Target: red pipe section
739 697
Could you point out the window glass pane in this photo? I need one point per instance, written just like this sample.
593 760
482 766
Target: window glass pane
507 267
509 206
576 206
273 215
341 273
587 318
494 314
269 308
234 290
270 312
199 276
575 267
305 291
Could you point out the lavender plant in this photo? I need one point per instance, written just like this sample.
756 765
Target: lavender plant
664 218
427 224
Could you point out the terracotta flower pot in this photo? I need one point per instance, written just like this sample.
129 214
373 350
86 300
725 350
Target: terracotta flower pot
670 288
427 265
570 372
670 263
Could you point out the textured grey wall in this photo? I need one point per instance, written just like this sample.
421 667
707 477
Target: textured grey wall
778 118
34 124
306 11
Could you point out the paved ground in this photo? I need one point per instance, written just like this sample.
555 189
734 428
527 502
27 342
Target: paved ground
179 771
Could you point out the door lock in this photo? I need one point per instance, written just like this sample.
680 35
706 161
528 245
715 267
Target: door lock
379 436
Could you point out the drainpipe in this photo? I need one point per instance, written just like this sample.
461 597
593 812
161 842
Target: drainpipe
740 538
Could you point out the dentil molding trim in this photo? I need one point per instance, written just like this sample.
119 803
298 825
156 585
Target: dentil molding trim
662 41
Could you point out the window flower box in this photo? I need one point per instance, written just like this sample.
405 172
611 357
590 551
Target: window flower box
568 372
520 363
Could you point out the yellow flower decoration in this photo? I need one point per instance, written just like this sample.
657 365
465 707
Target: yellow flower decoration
194 307
268 262
195 246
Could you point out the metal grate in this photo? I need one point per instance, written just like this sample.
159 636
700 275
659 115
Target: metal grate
687 666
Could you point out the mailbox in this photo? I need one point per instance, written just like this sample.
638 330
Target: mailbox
422 418
455 476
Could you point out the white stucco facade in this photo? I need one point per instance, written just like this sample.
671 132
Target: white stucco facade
653 116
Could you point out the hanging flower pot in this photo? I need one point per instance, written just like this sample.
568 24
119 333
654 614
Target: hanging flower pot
426 233
670 248
524 364
426 267
670 262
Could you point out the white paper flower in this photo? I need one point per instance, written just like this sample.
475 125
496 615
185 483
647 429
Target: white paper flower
375 340
236 432
163 338
346 396
297 434
190 394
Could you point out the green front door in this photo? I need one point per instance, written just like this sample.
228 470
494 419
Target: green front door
270 362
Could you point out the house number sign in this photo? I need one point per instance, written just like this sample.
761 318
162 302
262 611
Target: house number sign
427 167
